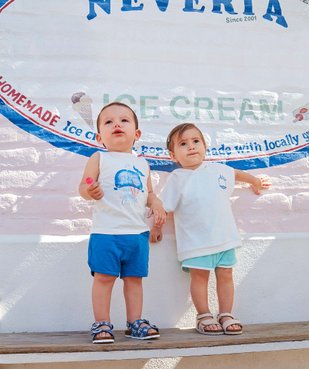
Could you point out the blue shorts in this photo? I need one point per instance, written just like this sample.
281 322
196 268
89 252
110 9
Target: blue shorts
224 259
125 255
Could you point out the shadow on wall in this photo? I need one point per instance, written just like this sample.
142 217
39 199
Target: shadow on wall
48 285
45 284
270 278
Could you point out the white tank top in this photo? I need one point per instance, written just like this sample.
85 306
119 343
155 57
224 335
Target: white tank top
123 178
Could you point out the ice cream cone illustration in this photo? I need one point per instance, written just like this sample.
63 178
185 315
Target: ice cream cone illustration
82 103
301 113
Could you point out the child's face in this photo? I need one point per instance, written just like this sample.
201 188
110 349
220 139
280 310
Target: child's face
189 150
117 131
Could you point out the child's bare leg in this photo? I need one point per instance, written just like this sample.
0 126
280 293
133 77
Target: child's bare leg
101 298
225 291
199 293
133 294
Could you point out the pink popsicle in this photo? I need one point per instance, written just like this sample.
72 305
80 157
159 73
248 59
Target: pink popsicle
89 181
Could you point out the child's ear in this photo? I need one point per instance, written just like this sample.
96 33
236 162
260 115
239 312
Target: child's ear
172 155
138 134
99 139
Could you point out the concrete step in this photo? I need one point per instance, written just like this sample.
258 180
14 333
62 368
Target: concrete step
77 346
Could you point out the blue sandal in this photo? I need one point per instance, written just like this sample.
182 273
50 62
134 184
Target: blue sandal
134 330
96 329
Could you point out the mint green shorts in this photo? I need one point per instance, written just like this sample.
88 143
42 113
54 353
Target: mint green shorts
224 259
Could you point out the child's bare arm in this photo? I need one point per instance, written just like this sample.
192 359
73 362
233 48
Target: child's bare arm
257 183
92 191
155 205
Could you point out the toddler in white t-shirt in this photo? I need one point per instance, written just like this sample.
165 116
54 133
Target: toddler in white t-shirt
206 234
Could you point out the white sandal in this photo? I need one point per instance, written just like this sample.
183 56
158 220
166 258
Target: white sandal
228 323
202 323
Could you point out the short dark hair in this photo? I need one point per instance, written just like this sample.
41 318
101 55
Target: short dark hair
179 131
117 103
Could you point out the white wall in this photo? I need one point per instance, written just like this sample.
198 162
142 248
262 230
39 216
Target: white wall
46 285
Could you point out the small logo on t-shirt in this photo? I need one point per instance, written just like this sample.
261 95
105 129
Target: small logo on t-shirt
222 182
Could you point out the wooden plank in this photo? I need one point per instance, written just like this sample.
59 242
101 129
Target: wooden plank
59 342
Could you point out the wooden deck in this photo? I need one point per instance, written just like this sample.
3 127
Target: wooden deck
72 342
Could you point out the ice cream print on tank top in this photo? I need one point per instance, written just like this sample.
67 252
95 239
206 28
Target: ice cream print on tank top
129 183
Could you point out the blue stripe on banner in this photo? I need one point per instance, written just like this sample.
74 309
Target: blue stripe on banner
44 134
155 164
4 3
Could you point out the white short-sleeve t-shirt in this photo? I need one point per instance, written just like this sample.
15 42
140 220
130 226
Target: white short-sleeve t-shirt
199 199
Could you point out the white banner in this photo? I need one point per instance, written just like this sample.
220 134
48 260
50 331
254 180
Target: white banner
236 68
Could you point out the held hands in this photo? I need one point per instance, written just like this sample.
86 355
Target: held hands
158 213
159 219
155 234
260 183
157 210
